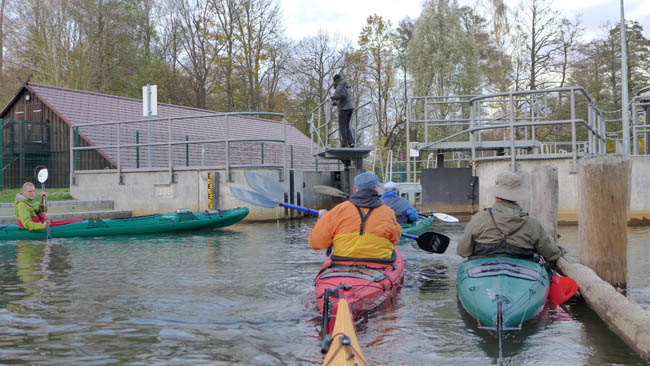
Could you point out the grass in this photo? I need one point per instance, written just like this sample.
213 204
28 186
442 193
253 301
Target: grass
53 194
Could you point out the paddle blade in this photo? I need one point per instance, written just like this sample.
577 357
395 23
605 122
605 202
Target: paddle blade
265 185
253 198
433 242
562 289
445 217
329 191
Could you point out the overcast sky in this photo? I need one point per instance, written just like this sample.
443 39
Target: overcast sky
303 18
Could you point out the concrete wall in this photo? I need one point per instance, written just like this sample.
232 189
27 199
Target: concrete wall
568 201
151 192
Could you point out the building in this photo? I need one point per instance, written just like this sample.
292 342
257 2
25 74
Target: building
36 131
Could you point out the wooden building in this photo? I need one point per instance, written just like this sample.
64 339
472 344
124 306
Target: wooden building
36 131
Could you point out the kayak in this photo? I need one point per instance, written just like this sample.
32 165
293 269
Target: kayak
419 227
343 347
502 293
181 220
364 283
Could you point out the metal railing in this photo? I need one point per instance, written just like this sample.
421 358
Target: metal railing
320 124
119 146
641 127
516 115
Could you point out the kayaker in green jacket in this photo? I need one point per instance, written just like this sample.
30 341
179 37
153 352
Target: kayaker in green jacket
31 214
505 229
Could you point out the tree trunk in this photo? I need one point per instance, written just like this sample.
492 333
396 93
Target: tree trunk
604 186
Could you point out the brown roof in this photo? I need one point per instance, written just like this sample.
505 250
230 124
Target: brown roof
81 107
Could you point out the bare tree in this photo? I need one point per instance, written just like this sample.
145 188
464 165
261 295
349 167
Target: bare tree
537 25
3 4
568 42
227 13
200 48
258 29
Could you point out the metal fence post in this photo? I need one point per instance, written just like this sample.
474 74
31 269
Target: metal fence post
284 149
119 163
228 148
472 138
263 153
137 149
573 131
187 151
169 150
1 133
513 160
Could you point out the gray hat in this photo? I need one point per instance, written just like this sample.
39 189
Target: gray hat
510 186
366 181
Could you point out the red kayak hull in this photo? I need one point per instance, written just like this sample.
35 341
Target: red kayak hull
364 285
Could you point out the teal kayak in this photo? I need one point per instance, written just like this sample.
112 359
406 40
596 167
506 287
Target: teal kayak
501 293
181 220
419 227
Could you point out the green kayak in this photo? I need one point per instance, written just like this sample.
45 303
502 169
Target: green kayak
182 220
421 226
515 288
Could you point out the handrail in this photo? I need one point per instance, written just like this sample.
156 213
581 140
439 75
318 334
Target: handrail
170 142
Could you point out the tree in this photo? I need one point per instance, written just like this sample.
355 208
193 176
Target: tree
378 43
568 42
537 26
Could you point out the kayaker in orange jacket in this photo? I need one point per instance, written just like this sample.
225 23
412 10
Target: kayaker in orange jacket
361 227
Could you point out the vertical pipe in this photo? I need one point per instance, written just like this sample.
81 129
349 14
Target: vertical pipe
625 120
228 147
148 126
426 120
1 134
291 156
513 161
137 149
590 132
202 154
262 153
574 153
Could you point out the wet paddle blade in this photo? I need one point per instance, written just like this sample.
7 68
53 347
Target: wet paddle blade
265 185
433 242
253 198
329 191
562 289
444 217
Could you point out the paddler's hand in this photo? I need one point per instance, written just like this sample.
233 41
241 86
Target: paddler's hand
43 194
321 213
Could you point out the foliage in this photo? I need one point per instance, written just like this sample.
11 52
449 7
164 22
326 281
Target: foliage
53 194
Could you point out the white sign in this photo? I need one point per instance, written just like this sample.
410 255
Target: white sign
414 153
150 100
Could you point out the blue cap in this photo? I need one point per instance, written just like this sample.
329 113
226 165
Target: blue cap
390 186
366 181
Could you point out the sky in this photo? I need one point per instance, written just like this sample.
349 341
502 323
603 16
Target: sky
303 18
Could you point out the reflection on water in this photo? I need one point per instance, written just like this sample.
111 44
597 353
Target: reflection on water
245 296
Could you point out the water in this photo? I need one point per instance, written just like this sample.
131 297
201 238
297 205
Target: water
245 296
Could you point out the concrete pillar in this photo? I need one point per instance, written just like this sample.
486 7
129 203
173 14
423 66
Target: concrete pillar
544 189
604 199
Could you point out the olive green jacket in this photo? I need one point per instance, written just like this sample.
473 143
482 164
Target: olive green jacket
509 217
26 209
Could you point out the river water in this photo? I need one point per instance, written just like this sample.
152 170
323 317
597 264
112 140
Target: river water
244 296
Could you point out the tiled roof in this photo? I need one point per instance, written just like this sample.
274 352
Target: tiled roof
81 107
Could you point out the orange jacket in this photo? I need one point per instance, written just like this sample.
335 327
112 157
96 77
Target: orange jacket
341 225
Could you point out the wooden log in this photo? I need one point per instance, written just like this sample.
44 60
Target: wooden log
625 318
544 189
604 190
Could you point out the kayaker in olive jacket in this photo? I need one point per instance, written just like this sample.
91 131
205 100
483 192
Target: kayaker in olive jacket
404 212
505 229
30 214
342 99
361 227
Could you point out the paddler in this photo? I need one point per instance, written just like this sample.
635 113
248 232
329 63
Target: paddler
505 229
404 212
30 213
361 227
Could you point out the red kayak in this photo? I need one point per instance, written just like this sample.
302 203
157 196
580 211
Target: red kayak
364 283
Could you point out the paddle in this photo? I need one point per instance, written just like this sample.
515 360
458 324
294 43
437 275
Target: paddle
42 176
333 192
562 289
429 241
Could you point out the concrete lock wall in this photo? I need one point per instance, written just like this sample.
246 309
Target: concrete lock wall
568 201
151 192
